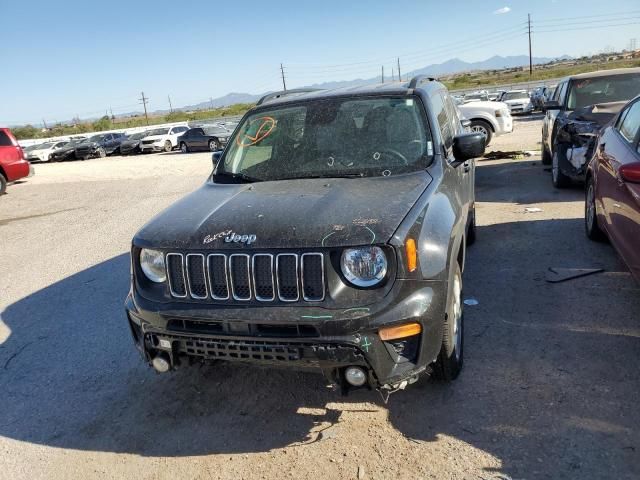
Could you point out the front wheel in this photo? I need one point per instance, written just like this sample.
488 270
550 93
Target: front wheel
591 226
3 184
102 152
184 148
213 146
546 156
167 146
560 180
480 126
450 359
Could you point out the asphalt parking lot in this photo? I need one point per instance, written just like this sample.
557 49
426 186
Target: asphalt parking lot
549 389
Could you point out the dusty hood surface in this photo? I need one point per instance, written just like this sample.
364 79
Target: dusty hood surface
287 214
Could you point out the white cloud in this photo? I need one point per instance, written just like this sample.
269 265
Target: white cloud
502 11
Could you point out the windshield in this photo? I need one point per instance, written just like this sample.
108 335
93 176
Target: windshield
138 136
379 136
158 131
616 88
514 95
96 138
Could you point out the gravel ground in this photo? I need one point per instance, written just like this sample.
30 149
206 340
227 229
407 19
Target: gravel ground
549 389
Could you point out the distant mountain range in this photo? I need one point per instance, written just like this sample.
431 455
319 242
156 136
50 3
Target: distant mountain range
454 65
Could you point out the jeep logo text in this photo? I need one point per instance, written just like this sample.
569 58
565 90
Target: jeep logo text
235 238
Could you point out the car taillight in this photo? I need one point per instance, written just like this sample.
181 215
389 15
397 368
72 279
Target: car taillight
24 155
631 172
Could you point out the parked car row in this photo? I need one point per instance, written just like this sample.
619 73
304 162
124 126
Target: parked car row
162 139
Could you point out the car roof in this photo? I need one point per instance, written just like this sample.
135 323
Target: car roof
603 73
395 88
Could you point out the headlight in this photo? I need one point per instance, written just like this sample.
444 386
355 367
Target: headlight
152 264
364 267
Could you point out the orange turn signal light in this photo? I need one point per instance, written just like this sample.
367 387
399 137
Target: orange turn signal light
401 331
412 254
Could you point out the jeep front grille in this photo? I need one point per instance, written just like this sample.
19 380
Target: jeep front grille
287 277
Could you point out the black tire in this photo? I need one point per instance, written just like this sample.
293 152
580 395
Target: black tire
482 127
213 146
102 153
559 179
3 184
591 227
546 156
167 146
471 229
451 357
184 148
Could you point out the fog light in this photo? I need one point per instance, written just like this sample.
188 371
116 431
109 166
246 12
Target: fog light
355 376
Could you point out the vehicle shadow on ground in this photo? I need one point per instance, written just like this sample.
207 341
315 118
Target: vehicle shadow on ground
498 181
550 379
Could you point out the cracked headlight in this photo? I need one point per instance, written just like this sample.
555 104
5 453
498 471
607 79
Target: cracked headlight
152 264
365 266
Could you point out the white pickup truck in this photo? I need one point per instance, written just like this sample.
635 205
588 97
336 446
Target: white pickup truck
489 118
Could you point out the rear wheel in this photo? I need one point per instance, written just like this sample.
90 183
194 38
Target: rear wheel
592 229
3 184
167 146
560 180
480 126
450 359
184 148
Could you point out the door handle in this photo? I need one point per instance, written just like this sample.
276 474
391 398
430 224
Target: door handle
467 167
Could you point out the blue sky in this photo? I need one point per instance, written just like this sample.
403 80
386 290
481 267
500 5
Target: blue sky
70 57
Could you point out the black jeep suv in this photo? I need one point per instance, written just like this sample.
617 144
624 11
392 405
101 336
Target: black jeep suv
331 234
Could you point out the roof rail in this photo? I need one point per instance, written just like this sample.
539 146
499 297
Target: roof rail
284 93
418 79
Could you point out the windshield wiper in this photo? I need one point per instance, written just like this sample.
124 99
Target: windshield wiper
326 175
239 176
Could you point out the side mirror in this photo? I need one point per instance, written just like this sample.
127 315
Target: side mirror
550 105
467 146
215 157
466 123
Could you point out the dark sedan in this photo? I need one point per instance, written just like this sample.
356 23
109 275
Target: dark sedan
612 206
203 138
99 145
131 144
67 152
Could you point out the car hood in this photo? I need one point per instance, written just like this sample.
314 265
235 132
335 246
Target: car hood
85 145
39 151
131 142
600 113
287 214
516 100
155 137
487 106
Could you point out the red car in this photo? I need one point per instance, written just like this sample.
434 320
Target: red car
612 206
13 164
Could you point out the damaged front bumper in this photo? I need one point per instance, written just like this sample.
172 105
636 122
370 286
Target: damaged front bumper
575 146
299 337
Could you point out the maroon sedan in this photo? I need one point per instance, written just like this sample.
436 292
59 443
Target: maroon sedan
612 206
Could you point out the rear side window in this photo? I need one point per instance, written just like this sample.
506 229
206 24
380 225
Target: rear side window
630 124
443 120
5 141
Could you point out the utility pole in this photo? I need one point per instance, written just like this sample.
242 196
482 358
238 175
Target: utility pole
211 102
170 107
111 111
393 75
399 77
44 124
530 57
382 74
284 84
144 100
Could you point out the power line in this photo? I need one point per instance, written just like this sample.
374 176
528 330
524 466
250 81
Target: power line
144 100
284 84
586 28
599 22
601 17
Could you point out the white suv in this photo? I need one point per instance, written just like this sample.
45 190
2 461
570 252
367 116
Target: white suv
518 101
162 139
488 118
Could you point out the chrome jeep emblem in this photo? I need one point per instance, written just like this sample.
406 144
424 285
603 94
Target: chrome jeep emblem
236 238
